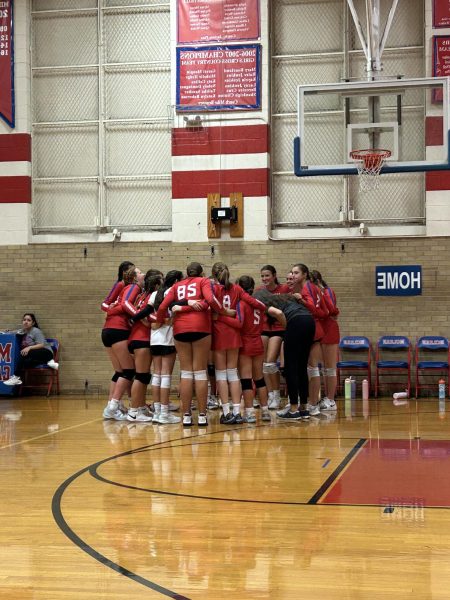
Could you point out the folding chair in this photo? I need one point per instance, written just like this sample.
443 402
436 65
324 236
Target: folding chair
42 376
436 369
390 345
354 344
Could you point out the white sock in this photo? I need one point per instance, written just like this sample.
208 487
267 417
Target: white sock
236 409
113 404
226 408
164 409
157 406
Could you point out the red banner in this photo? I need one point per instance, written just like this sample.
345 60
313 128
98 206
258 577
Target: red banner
6 62
441 13
217 20
218 78
441 62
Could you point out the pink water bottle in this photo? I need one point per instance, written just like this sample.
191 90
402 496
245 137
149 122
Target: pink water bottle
365 389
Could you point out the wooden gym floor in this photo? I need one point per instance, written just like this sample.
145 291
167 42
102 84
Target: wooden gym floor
350 507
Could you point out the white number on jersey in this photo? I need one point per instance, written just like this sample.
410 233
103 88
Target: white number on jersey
226 302
256 316
186 291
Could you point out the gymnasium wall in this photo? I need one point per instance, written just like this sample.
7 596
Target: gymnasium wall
64 285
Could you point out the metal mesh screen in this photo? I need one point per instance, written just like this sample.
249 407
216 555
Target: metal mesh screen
311 46
65 152
65 205
68 39
137 35
147 202
65 95
125 145
130 91
137 149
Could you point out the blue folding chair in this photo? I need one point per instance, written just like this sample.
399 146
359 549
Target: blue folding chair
390 345
436 369
355 345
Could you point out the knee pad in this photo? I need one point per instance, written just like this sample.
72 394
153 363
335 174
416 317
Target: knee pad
270 368
260 383
128 374
211 371
116 376
200 376
313 372
156 380
143 378
232 375
246 384
221 375
329 372
165 381
187 375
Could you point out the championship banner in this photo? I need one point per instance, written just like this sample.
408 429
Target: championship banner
217 20
6 62
219 78
441 13
441 62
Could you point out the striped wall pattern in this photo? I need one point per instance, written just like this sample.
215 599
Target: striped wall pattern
220 160
15 168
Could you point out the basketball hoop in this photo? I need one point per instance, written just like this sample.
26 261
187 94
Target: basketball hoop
369 164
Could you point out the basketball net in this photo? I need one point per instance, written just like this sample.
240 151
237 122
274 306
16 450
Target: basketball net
369 164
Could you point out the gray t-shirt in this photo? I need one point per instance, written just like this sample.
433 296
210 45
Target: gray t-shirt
33 337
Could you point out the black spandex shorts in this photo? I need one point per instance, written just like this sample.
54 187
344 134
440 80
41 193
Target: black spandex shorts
163 350
135 344
190 336
112 336
271 334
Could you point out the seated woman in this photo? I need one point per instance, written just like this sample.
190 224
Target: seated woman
35 350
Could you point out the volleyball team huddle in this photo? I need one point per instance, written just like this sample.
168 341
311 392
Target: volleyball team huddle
233 341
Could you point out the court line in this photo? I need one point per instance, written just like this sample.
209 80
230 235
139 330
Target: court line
335 474
39 437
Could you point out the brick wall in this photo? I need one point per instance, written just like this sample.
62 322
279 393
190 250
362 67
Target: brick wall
64 288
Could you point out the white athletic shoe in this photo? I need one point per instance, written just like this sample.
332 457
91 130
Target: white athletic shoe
156 417
139 415
212 402
328 405
173 406
313 410
274 401
283 411
167 418
53 365
14 380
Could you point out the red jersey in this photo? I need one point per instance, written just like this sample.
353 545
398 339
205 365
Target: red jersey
252 327
281 288
110 299
332 334
315 303
119 314
191 288
226 336
140 331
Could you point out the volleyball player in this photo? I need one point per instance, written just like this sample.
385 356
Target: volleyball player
164 354
139 346
110 299
115 336
226 342
329 342
311 297
299 326
251 355
272 337
192 334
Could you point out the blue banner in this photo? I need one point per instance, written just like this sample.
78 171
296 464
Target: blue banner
404 280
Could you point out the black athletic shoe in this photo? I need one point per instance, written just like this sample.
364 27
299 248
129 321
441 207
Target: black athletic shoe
304 414
238 420
291 416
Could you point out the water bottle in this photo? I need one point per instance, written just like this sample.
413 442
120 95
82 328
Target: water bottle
365 389
352 388
348 389
441 389
400 395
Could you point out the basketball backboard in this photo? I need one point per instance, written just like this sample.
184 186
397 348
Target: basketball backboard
392 114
